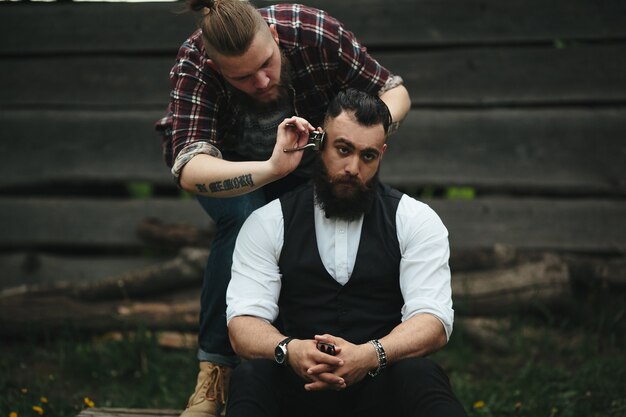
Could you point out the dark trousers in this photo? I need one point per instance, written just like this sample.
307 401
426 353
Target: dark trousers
411 387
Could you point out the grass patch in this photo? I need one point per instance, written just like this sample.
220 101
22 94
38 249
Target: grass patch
532 382
70 373
568 365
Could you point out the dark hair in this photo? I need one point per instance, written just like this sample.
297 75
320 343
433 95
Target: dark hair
228 26
368 109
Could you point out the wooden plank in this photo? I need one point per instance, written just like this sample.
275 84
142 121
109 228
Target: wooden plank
427 23
588 225
81 147
127 28
577 225
578 151
128 412
88 223
69 27
573 150
512 76
78 81
591 74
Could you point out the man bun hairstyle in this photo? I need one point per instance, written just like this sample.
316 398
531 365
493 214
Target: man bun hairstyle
228 26
368 109
197 5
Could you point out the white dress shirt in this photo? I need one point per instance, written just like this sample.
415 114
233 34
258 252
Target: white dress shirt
424 272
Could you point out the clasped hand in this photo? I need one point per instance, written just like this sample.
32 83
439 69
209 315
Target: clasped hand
322 371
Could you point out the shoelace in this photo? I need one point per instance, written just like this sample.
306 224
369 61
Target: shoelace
216 384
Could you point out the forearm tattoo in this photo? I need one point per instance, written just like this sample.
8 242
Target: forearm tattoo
227 185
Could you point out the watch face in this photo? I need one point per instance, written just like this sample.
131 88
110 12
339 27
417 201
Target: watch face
280 353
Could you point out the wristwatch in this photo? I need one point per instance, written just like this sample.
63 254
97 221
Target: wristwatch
280 352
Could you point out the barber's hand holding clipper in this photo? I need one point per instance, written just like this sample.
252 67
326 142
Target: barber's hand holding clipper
292 132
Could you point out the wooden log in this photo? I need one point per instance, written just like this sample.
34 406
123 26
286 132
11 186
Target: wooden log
33 272
181 272
120 277
174 236
542 284
612 271
164 338
497 257
538 285
607 272
485 332
177 340
26 316
140 279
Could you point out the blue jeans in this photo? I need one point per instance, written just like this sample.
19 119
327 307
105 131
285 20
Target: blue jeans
229 214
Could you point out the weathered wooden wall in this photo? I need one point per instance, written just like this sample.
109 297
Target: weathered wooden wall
522 101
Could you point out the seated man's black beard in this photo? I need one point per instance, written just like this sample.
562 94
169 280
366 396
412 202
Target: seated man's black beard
252 105
343 207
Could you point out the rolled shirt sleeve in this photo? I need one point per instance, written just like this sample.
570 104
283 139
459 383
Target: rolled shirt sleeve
425 279
256 279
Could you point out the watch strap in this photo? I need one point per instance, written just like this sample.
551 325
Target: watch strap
285 341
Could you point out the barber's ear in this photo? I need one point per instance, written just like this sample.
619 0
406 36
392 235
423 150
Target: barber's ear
274 33
213 65
383 149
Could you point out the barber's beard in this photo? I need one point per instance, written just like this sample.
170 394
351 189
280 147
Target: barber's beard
343 197
252 105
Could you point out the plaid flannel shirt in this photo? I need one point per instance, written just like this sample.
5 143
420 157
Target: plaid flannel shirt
325 57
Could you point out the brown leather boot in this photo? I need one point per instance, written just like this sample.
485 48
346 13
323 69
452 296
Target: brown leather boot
211 391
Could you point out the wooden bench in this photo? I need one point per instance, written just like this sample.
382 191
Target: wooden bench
520 106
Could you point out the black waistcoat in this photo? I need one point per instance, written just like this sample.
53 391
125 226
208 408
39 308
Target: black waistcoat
311 301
